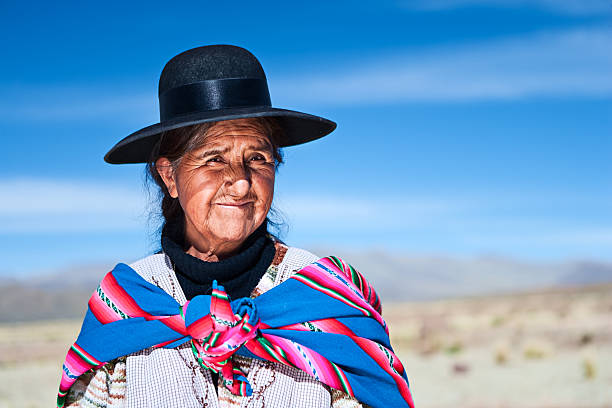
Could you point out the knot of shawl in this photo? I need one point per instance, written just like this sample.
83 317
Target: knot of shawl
217 330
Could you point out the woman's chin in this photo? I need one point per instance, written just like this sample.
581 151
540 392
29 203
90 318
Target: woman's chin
231 232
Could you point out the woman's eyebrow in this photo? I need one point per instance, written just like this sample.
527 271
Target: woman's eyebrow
259 146
212 151
218 150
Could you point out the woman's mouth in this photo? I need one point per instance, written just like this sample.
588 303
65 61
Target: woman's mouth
241 204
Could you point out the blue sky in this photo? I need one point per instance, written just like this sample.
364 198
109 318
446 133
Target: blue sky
465 127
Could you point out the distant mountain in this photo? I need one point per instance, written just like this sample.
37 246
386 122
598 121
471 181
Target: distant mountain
77 276
396 277
19 302
587 272
57 295
399 277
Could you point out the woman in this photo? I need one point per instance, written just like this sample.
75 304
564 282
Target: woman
163 331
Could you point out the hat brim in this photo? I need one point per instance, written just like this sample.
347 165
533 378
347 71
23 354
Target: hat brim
298 128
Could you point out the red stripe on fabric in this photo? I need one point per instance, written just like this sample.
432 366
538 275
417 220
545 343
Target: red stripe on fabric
323 279
294 326
121 298
325 325
165 343
128 305
89 356
330 292
175 322
326 290
368 346
201 327
365 287
333 326
371 349
101 311
346 382
259 350
324 368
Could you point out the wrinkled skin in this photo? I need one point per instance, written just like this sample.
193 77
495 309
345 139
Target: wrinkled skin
225 187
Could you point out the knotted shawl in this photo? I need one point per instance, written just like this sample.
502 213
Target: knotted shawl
325 320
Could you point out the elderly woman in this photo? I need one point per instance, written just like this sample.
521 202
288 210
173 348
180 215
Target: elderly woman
227 315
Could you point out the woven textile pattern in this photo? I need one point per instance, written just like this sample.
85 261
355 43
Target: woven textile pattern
324 320
172 378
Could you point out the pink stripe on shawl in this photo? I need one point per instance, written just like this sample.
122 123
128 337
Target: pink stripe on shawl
318 274
128 305
351 273
300 357
100 309
372 349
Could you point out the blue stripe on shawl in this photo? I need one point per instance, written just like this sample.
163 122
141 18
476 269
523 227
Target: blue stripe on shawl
198 306
362 371
129 336
312 305
149 297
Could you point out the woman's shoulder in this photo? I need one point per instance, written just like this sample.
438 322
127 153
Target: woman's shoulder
152 265
291 258
295 258
286 262
298 257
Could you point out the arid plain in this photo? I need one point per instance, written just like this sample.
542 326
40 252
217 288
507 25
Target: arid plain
544 349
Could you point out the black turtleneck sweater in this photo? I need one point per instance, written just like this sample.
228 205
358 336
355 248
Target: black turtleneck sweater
239 274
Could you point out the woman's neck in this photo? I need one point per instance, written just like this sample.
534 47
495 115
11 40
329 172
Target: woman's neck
214 252
239 273
178 232
209 256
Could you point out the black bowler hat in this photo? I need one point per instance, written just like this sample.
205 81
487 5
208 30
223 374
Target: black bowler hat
209 84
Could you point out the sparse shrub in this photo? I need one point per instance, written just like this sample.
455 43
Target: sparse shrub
431 346
498 321
588 368
536 350
533 353
563 313
586 338
461 368
501 354
454 348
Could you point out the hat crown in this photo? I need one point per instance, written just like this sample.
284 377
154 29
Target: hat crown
209 62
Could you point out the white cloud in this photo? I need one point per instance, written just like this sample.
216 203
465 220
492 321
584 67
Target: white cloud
76 102
513 223
48 196
578 236
564 63
572 7
567 63
543 225
47 205
344 211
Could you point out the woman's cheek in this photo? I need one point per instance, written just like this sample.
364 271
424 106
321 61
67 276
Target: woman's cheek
266 193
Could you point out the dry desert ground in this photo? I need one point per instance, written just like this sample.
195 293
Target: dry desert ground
546 349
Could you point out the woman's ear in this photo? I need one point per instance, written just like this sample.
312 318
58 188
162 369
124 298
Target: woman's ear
166 172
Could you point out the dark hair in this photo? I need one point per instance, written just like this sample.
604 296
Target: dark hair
174 144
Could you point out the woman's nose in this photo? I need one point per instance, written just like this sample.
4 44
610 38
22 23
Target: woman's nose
238 180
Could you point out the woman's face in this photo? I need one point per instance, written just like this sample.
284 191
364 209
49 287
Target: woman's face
225 186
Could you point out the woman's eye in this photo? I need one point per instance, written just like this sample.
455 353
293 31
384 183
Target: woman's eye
257 157
213 160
